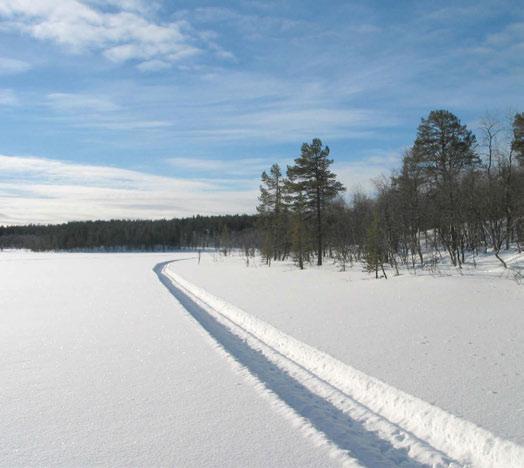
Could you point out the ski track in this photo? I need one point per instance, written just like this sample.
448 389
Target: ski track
322 402
297 388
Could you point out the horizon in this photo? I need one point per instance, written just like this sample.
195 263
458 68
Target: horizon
125 220
127 109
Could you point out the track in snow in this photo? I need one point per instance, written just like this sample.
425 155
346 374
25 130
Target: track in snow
364 436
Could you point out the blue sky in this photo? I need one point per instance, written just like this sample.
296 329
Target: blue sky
138 109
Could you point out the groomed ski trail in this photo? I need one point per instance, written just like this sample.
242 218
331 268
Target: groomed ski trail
366 421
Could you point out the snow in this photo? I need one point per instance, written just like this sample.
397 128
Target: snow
130 359
453 341
281 364
409 429
100 365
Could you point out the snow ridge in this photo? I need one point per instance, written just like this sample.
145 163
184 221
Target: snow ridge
427 434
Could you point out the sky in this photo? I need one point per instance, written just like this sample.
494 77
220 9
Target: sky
159 109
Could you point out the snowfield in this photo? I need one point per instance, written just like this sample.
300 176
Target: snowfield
454 341
100 365
119 359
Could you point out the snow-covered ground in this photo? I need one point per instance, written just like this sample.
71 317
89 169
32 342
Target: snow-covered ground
100 365
124 359
456 341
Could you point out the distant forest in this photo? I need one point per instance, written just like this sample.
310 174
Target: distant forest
194 232
455 192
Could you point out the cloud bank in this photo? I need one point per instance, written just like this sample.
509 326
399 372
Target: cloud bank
40 190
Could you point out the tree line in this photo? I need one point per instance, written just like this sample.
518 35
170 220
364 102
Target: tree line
453 193
197 232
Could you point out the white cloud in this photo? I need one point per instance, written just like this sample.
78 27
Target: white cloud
8 97
83 102
98 111
124 35
311 119
293 121
153 65
124 123
359 175
139 6
509 35
223 105
224 54
9 66
252 25
233 167
40 190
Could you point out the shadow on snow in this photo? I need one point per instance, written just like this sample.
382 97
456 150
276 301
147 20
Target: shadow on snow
344 432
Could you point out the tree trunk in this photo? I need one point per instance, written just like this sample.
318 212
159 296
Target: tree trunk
500 259
319 229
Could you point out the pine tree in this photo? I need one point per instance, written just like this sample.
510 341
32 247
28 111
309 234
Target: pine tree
271 191
445 150
517 144
272 215
311 177
444 147
299 230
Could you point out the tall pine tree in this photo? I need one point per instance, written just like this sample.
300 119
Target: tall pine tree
311 177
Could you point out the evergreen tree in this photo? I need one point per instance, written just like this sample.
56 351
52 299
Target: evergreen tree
311 177
299 230
517 144
273 215
271 191
445 150
444 147
196 231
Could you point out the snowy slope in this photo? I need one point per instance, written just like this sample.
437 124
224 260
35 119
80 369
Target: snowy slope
454 341
100 365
